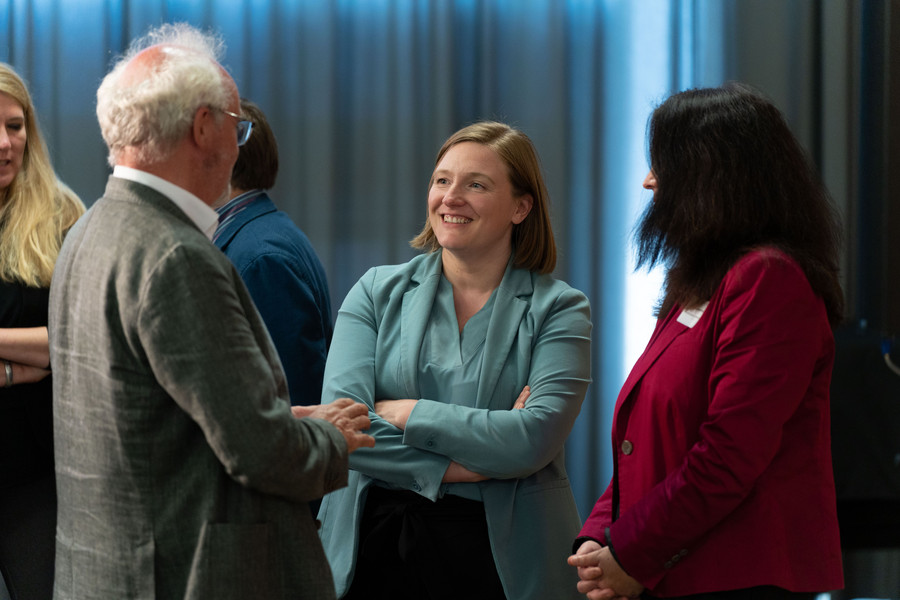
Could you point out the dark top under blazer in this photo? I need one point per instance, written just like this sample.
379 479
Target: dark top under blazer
26 420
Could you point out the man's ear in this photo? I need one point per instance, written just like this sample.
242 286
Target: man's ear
202 128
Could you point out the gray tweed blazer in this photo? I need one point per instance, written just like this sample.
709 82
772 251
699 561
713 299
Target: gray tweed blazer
180 470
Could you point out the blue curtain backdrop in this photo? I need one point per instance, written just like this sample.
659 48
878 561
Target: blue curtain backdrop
361 93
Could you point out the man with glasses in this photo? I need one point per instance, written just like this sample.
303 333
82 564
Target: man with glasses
181 471
244 127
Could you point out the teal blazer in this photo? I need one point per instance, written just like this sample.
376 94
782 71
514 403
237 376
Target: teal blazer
539 335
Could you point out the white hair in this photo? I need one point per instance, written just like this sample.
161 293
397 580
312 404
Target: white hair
152 113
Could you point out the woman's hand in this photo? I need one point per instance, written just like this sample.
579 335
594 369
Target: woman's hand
523 396
600 576
395 412
587 560
456 473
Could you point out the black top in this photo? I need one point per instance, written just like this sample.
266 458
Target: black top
26 417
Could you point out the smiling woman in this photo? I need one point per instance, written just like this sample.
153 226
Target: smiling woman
470 343
473 208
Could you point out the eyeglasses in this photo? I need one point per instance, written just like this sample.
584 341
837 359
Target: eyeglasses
244 127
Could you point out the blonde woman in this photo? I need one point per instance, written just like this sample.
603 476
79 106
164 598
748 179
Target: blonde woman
36 210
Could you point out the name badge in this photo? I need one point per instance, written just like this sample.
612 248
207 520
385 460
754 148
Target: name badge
690 316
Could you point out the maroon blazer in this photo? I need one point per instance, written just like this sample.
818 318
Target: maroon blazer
722 449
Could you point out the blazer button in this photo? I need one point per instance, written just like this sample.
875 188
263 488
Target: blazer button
627 447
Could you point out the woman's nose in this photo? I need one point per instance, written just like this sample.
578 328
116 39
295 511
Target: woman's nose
452 195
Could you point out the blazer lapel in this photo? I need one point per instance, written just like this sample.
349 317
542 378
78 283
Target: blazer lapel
506 319
662 337
415 311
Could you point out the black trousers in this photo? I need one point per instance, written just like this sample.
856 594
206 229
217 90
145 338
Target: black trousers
28 538
416 549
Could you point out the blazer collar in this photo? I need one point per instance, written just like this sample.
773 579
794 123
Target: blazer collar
664 334
259 206
416 309
119 189
512 299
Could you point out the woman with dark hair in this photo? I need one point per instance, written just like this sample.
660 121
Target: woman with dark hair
465 494
722 484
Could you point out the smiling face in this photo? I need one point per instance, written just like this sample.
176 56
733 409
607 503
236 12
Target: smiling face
472 206
12 140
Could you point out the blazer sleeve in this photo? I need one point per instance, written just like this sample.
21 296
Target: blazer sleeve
600 518
505 444
228 385
287 301
350 372
771 331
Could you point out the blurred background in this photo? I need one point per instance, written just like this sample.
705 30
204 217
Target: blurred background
361 93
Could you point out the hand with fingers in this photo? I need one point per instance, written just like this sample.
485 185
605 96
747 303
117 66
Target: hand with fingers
350 418
600 577
523 396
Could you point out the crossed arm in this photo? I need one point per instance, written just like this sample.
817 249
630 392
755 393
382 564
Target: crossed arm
27 351
364 365
396 412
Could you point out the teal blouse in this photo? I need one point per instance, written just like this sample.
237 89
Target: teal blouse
450 361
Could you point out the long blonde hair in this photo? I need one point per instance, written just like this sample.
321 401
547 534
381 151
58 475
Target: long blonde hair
37 209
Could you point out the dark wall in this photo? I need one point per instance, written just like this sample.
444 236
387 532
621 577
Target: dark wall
865 389
838 83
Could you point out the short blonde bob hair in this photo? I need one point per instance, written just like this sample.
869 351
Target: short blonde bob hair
532 239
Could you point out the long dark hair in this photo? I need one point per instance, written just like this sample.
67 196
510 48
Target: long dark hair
731 176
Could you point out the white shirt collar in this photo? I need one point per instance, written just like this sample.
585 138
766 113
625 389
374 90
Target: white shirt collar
197 211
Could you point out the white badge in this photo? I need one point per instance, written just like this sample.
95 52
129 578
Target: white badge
690 316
